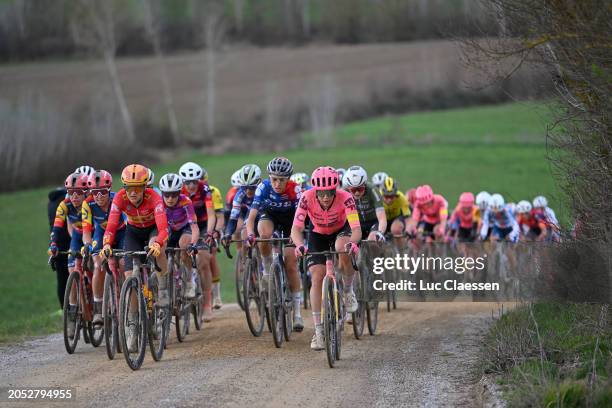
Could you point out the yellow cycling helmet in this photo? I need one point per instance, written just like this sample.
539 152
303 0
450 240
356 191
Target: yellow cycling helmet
135 175
389 187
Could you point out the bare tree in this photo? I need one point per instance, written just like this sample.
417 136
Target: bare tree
151 9
322 106
239 14
94 25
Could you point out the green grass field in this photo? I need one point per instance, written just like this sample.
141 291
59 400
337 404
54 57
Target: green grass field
488 153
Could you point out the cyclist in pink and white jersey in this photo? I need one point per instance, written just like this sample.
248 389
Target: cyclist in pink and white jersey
430 213
335 222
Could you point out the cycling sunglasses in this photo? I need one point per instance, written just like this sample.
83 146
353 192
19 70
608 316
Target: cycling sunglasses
326 193
278 179
354 190
137 189
191 181
99 191
173 194
77 191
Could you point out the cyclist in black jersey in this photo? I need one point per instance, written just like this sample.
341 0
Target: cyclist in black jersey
369 203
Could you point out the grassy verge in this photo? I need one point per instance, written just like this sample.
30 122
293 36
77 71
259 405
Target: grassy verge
514 169
553 355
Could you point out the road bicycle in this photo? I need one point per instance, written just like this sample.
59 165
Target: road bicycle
151 320
368 305
79 286
113 280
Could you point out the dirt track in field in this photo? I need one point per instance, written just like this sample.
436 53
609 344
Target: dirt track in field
424 354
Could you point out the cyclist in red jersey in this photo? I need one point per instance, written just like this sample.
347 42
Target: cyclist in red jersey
200 195
464 219
146 225
430 209
531 226
333 214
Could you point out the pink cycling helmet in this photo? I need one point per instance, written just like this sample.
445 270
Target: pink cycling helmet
324 178
100 179
76 180
466 199
424 194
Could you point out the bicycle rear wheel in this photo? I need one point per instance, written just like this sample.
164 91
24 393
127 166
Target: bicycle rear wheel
330 322
287 310
253 303
305 281
131 288
109 316
73 284
239 277
158 323
196 305
275 304
181 308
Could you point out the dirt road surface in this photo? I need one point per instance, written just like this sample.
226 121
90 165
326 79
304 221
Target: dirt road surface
424 355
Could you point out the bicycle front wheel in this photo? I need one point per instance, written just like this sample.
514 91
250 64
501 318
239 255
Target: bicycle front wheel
359 315
253 302
72 316
158 323
132 318
330 321
239 277
109 316
276 304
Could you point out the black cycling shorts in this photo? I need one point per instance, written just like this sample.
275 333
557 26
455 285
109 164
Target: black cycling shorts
320 242
282 221
466 234
135 240
367 227
390 222
175 236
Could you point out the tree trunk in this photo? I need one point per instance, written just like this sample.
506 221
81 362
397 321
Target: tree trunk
109 59
210 91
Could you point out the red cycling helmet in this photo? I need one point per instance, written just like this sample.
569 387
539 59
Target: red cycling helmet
76 180
324 178
424 194
100 179
466 199
411 195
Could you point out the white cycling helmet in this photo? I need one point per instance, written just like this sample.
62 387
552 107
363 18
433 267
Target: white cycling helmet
300 178
87 170
191 171
235 179
170 183
249 175
511 206
379 178
523 207
355 176
151 178
496 203
482 200
341 172
540 202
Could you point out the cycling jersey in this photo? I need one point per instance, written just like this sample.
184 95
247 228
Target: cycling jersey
368 204
65 213
432 214
397 207
217 200
240 208
201 199
268 200
328 221
501 221
149 213
530 223
181 214
459 219
94 216
547 215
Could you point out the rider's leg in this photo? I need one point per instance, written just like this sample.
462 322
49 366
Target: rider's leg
216 280
265 228
397 228
184 242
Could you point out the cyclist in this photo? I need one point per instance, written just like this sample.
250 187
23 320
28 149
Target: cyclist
200 195
340 172
68 214
249 178
500 218
301 179
334 217
184 231
432 210
531 226
274 206
543 211
396 209
464 220
86 170
372 217
218 207
231 193
411 196
151 183
378 179
147 225
482 202
94 216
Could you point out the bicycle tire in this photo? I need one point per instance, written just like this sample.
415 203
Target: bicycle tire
196 305
287 310
305 282
181 307
70 344
158 321
329 321
358 316
96 336
255 318
275 304
239 279
131 286
109 316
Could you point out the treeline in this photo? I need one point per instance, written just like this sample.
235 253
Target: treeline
33 29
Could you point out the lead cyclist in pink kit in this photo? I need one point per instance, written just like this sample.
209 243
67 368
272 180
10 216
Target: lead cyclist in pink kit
335 221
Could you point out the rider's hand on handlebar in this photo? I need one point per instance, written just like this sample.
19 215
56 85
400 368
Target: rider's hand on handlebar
300 251
209 239
106 252
53 249
250 241
226 240
86 250
154 250
352 248
192 248
380 237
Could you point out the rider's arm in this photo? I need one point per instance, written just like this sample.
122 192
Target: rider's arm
230 228
414 219
352 216
193 222
87 221
485 225
250 224
260 195
113 219
382 219
161 221
297 230
61 214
